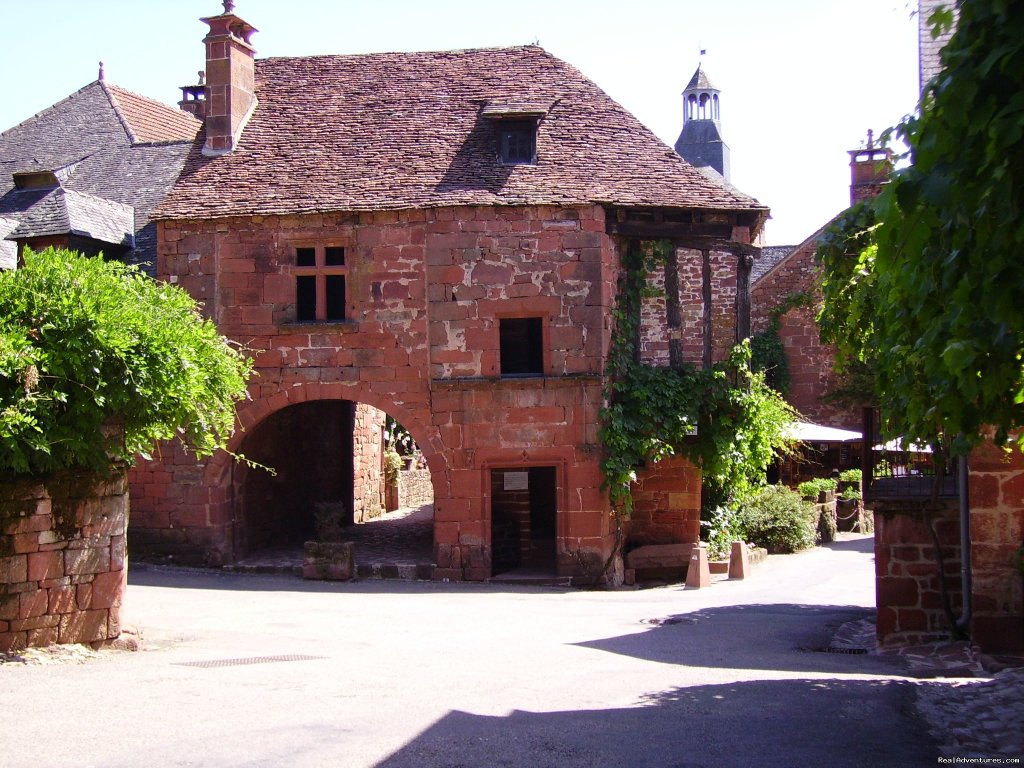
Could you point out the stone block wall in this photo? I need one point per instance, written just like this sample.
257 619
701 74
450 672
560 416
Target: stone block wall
997 546
908 592
426 291
62 559
810 362
368 462
666 504
415 488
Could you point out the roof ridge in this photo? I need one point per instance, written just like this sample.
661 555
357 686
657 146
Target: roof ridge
132 138
368 54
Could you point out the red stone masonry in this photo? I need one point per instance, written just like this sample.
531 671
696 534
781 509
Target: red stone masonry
811 362
62 560
426 291
997 547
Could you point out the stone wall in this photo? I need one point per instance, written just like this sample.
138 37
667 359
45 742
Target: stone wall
426 295
908 589
908 592
997 547
426 291
62 560
666 504
810 362
368 462
415 488
673 315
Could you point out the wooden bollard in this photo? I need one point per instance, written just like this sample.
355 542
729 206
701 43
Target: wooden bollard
739 560
698 574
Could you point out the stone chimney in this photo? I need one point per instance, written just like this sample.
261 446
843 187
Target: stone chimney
870 168
193 98
230 96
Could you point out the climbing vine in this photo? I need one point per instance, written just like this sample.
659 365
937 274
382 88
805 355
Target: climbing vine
725 419
932 299
766 350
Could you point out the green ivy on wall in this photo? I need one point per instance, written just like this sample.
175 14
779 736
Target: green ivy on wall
725 419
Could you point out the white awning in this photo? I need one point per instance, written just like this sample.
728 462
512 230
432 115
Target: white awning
806 432
896 445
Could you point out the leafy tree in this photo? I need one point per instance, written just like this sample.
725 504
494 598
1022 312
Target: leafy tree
934 302
86 344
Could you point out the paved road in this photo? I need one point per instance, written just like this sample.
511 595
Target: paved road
452 676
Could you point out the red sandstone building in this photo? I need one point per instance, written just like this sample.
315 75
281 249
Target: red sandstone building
435 236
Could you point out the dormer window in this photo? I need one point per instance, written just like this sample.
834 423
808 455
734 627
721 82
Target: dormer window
515 126
517 142
36 180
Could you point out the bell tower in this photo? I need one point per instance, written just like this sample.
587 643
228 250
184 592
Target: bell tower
700 143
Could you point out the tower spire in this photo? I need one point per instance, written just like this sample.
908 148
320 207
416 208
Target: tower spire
700 142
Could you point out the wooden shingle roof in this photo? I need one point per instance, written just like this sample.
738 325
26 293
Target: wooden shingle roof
405 130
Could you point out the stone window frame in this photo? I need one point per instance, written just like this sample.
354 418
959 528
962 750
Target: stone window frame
320 270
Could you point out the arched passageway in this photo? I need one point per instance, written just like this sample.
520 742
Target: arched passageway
328 478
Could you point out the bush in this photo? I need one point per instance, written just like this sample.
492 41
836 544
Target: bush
86 344
777 519
811 488
720 528
850 476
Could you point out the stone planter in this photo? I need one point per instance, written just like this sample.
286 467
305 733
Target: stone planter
328 561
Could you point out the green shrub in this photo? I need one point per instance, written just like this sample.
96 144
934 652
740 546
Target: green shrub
777 519
849 494
720 528
86 344
850 476
810 489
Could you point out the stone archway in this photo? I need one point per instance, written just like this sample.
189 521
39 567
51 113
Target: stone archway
322 451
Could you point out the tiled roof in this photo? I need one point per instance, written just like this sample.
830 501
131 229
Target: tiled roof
8 250
403 130
770 256
149 121
98 140
58 211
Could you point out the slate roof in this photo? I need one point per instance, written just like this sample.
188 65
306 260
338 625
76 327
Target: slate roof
8 248
770 256
59 211
403 130
700 81
105 142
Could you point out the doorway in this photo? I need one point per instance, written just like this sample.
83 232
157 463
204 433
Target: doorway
524 516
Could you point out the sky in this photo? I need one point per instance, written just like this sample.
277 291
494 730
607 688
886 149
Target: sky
801 81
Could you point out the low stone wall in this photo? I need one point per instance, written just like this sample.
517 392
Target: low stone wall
414 488
62 559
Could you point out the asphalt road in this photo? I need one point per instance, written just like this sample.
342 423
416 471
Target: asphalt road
273 671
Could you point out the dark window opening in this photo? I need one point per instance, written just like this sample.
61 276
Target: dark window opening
305 298
305 257
517 141
334 256
335 297
521 346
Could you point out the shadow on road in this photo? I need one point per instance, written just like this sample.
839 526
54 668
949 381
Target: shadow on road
838 723
760 636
